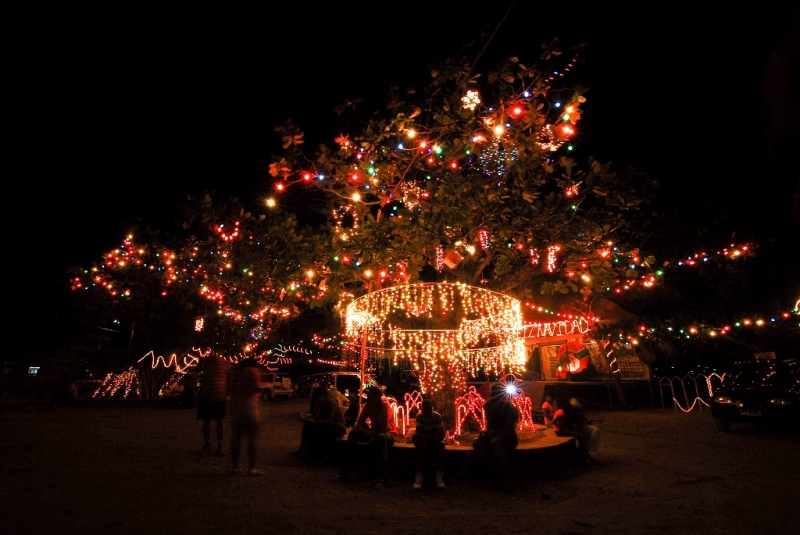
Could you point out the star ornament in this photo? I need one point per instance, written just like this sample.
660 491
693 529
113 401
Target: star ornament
471 100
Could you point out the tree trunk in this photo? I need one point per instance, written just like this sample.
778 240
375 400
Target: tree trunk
444 403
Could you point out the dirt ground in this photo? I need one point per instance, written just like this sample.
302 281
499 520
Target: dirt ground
134 469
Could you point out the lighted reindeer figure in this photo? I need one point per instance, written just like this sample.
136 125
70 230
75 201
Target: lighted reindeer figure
470 403
522 402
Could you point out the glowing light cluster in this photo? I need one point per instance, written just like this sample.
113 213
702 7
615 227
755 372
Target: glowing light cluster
126 382
228 235
245 294
412 194
439 262
471 328
405 174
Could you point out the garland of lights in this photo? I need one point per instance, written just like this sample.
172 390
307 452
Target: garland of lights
699 329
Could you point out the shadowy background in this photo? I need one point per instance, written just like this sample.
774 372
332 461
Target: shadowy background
117 115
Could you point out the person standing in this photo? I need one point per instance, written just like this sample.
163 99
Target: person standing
429 441
212 404
245 413
376 427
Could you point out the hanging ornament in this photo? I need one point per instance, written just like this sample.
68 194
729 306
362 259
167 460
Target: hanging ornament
439 262
346 219
571 190
494 158
258 333
546 139
344 142
411 194
534 252
452 259
484 238
551 257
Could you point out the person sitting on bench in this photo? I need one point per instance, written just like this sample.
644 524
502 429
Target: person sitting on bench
569 420
495 445
376 427
429 442
321 427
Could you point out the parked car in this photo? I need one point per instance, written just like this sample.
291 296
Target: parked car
344 385
760 391
275 386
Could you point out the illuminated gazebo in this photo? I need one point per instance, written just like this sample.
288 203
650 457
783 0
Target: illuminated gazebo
444 331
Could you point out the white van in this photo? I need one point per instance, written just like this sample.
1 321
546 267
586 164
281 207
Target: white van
344 385
275 386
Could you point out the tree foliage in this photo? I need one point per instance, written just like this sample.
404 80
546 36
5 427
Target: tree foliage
474 180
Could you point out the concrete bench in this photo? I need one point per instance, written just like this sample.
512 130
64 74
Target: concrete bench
542 452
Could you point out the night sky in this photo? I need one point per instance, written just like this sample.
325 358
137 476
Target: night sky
119 116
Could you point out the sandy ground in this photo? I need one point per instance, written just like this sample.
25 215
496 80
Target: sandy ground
126 469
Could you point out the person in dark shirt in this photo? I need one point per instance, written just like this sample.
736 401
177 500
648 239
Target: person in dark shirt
215 390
